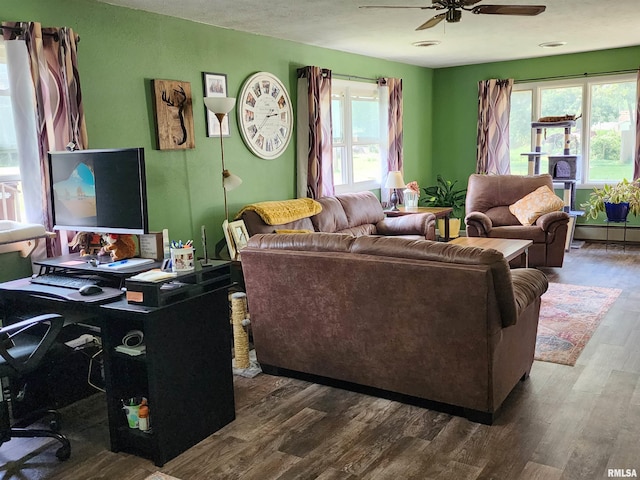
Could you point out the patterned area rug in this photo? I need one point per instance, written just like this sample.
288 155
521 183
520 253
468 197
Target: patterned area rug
569 315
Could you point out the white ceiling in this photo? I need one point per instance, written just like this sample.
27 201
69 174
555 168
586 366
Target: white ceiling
340 25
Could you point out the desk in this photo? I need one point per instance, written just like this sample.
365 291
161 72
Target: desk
185 374
439 212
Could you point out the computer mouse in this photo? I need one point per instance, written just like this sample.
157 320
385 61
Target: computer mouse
89 290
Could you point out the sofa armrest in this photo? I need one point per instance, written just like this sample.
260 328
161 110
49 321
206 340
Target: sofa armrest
478 224
415 224
528 285
552 220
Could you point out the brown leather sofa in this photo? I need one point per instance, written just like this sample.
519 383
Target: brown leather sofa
446 326
488 215
352 213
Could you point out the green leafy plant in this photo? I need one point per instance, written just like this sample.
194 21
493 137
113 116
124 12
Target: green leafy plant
445 194
621 192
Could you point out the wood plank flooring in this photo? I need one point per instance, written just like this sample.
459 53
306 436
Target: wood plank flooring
562 423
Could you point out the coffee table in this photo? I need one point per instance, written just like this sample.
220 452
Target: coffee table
510 248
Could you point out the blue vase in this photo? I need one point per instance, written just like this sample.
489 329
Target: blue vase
616 212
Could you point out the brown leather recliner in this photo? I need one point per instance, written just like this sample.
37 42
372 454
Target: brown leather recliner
488 215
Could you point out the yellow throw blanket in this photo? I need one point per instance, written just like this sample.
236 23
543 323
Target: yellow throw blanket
283 211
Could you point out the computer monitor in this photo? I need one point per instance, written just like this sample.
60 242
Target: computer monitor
101 191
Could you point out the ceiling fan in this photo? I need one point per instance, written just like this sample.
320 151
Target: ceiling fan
454 10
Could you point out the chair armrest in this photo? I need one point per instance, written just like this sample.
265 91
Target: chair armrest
55 321
528 285
415 224
478 224
552 220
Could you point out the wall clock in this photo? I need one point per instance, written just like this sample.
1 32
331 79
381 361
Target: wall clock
265 115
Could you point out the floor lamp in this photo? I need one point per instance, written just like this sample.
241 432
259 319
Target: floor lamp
220 107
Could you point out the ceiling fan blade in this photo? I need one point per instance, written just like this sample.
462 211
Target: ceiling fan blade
393 6
468 3
432 22
509 9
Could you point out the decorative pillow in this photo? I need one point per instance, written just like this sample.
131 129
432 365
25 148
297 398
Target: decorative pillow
286 230
540 201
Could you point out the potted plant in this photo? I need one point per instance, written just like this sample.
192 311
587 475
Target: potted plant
445 194
616 201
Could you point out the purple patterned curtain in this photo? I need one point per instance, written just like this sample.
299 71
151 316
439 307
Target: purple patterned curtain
394 124
494 104
315 141
58 99
636 161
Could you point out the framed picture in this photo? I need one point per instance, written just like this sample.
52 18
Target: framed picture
231 246
215 85
174 114
239 234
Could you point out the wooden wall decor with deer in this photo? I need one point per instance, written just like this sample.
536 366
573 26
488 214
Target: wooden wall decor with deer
174 114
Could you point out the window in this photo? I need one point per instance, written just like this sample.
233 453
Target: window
357 146
604 137
11 207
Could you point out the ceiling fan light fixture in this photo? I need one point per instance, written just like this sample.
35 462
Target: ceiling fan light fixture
552 44
426 43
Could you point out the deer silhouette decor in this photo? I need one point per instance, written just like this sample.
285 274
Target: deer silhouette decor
174 114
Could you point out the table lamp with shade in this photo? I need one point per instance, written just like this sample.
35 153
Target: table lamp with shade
220 107
394 182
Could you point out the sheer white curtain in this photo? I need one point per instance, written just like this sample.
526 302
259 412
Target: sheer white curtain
22 103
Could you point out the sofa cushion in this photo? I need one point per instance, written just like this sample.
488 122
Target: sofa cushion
361 208
255 224
542 200
332 217
365 229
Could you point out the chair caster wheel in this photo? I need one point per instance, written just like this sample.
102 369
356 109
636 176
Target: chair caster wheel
63 453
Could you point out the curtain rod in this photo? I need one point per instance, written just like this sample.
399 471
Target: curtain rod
576 75
351 77
20 31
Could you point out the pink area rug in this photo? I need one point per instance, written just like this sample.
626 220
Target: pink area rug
569 315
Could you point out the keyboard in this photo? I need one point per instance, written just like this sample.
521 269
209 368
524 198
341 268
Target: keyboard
55 280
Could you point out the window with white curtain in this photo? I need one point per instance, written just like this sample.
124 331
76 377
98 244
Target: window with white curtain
604 137
357 140
11 202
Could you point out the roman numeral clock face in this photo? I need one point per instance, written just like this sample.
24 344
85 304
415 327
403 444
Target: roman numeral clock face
265 115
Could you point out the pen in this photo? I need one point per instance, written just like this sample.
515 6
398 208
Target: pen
119 262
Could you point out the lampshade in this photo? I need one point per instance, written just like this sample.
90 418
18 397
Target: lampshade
230 181
395 180
219 104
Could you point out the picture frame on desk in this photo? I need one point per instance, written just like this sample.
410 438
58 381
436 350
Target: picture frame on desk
229 239
239 234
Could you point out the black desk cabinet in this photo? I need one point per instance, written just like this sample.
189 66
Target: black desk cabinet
185 374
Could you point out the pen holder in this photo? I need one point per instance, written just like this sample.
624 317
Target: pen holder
182 259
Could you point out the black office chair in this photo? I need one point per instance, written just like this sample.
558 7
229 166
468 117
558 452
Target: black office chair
23 346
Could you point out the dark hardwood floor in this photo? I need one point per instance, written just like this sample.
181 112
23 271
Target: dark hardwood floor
562 423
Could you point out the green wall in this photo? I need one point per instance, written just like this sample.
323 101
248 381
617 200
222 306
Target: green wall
122 50
455 101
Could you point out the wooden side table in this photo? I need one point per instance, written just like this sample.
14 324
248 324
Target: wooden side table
439 212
